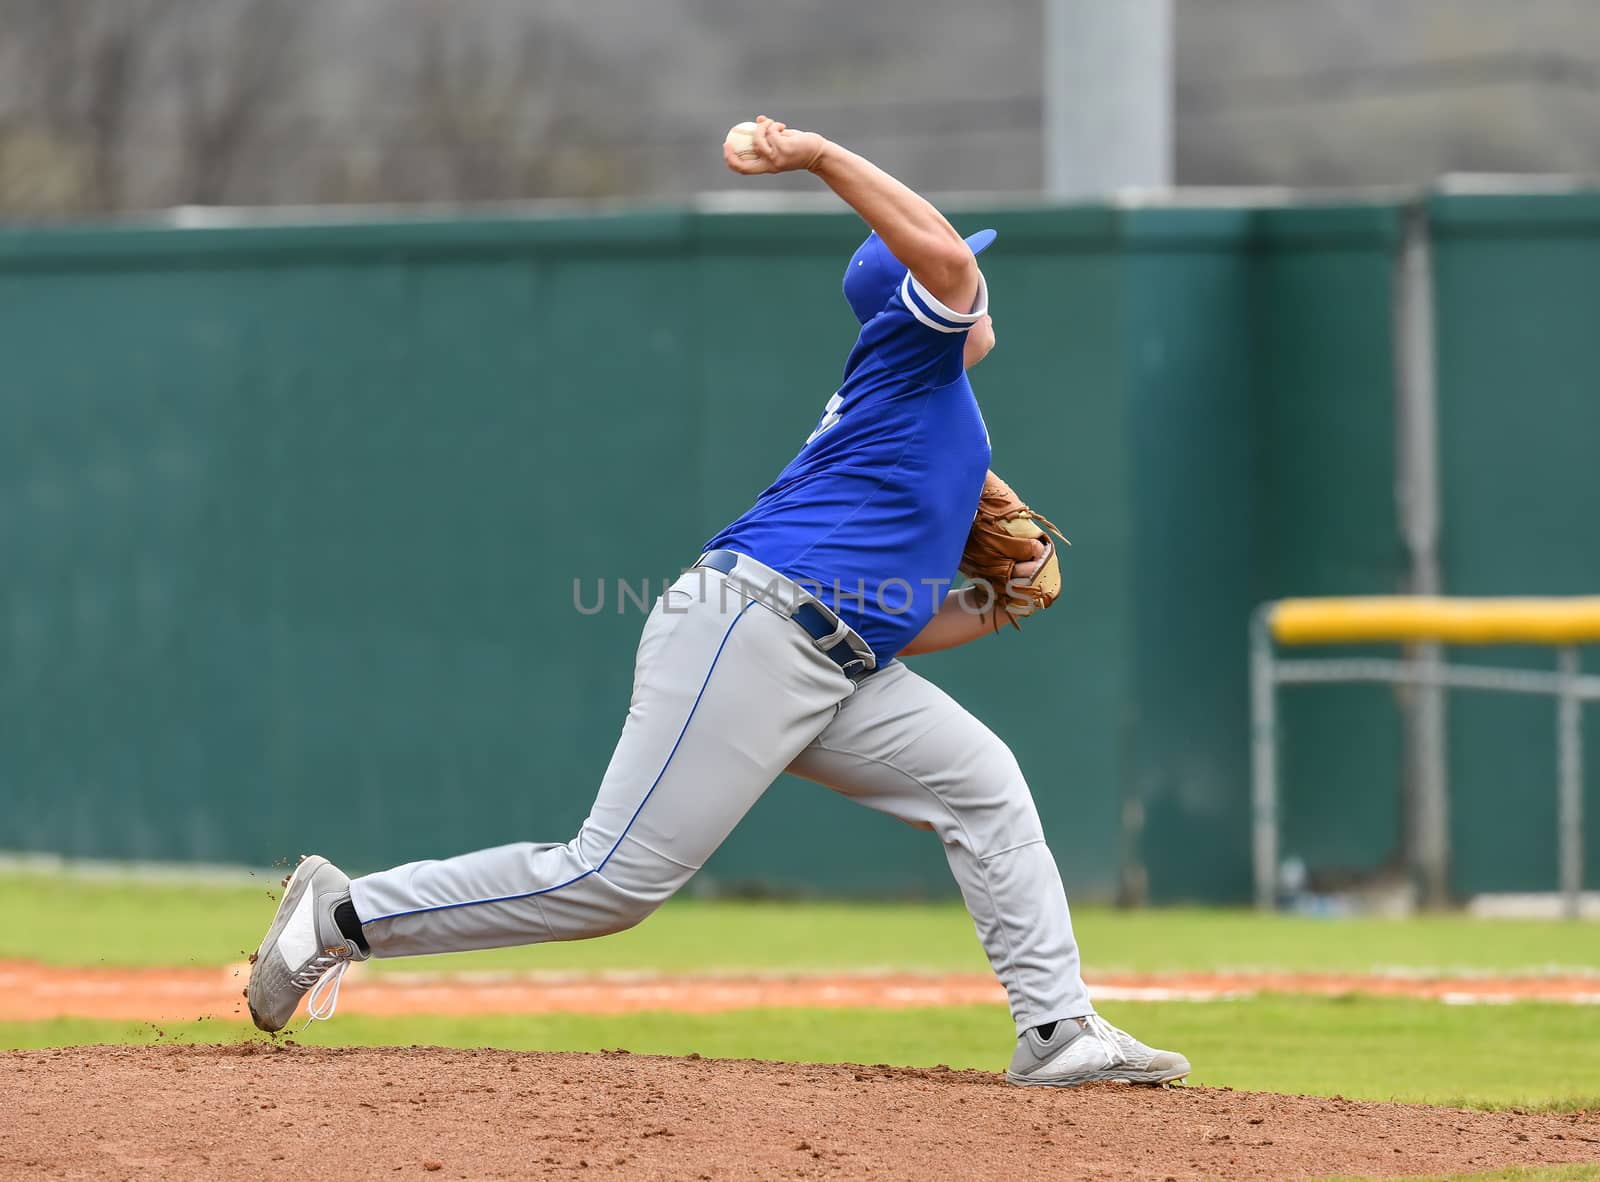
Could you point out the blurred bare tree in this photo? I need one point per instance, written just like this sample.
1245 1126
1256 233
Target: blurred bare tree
506 120
116 105
229 63
106 106
70 66
86 74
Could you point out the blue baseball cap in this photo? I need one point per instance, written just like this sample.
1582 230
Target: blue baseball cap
874 274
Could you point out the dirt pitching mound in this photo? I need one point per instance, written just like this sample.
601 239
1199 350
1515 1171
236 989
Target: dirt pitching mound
261 1110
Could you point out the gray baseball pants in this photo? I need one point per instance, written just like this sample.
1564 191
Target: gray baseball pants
729 692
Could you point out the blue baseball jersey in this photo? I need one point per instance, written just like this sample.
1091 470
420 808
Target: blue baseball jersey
874 512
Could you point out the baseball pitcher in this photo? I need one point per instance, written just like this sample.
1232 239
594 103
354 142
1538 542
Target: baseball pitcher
779 650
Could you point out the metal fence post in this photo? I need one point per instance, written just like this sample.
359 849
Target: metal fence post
1263 762
1427 790
1569 816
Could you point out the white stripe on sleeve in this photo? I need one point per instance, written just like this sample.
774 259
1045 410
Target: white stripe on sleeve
927 309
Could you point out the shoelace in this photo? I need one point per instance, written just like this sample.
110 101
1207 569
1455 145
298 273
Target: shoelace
321 977
1115 1042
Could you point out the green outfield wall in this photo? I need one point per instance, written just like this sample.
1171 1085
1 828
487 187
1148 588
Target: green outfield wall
1518 283
294 517
1325 510
290 520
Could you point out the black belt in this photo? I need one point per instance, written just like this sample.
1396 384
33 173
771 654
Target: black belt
815 620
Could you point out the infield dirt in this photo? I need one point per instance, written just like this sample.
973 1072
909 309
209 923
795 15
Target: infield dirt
30 992
264 1110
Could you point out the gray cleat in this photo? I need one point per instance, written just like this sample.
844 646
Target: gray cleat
304 950
1084 1050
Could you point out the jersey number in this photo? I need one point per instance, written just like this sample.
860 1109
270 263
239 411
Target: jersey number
830 416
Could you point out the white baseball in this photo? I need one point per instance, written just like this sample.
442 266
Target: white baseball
741 138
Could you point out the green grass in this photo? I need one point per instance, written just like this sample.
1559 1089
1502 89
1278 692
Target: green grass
1524 1056
67 920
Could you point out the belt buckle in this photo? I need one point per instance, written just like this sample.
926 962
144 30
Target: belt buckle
855 668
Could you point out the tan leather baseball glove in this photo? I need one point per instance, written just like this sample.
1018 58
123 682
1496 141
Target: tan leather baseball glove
1003 533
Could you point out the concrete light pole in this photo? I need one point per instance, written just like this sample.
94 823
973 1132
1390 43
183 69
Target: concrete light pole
1107 95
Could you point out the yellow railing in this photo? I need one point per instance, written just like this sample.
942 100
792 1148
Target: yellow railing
1404 619
1426 622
